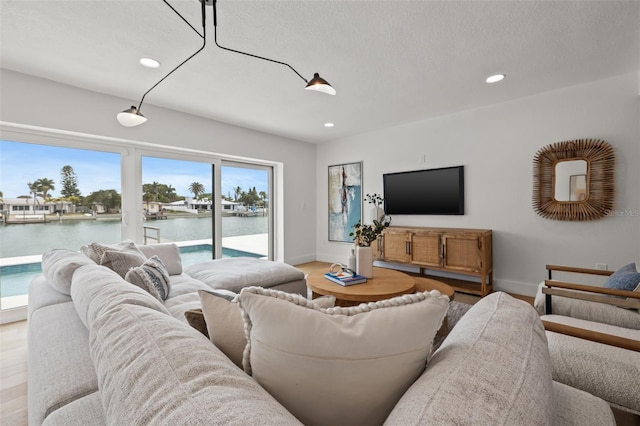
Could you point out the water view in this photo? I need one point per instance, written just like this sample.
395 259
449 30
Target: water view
36 238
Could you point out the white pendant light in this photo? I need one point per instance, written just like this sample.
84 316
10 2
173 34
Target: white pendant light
131 117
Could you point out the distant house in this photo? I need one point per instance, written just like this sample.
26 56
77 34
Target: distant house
21 210
229 206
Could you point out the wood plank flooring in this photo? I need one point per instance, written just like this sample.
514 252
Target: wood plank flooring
13 365
13 373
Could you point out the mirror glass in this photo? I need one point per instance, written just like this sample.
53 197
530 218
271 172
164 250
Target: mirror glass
571 181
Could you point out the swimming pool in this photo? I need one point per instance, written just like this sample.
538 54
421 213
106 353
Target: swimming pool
14 279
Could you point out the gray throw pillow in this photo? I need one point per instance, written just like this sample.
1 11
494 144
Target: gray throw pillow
120 261
95 250
625 278
151 276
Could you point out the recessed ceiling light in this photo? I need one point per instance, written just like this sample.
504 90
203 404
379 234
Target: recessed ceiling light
495 78
328 124
149 63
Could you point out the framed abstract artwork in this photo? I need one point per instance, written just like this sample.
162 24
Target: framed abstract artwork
345 200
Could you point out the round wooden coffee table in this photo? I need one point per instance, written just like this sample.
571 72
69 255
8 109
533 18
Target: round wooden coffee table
428 284
385 284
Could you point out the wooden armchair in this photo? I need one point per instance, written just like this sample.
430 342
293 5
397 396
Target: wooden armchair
594 337
608 313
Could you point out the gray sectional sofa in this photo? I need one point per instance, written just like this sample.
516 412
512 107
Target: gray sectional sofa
108 352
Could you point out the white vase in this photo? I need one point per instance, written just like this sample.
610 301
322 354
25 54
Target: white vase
351 260
374 213
364 261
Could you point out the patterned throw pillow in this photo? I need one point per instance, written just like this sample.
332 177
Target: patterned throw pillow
95 251
625 278
121 262
151 276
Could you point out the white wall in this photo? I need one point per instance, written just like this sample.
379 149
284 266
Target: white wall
496 145
37 102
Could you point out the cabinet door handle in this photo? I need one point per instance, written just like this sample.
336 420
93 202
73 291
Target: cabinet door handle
407 247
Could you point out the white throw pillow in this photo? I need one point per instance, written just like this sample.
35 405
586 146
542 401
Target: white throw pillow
224 322
346 366
169 253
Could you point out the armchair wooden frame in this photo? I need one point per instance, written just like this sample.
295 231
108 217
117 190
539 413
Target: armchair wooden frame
628 299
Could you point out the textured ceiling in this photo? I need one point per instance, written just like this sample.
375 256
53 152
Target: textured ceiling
391 62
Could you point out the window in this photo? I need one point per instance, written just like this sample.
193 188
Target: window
74 179
71 194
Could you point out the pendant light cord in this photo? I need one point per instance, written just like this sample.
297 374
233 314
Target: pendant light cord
204 42
215 39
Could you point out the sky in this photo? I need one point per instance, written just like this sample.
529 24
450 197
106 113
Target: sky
21 163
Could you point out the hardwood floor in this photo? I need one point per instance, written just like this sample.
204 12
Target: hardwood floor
13 364
13 373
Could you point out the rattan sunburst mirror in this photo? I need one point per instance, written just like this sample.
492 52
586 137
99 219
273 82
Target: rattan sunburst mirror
574 180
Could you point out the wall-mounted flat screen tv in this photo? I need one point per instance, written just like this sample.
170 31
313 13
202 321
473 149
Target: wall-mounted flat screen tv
433 191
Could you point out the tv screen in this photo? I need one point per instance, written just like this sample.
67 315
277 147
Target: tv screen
433 191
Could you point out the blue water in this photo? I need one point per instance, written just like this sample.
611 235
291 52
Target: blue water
37 238
15 278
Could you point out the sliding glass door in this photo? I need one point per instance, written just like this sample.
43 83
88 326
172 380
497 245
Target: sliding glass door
246 213
178 205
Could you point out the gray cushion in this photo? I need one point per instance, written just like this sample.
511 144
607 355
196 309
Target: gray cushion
574 407
625 278
154 369
94 285
59 365
59 265
86 411
183 295
169 253
492 369
42 293
608 372
239 272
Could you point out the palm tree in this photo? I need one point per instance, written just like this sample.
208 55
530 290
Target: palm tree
33 189
237 191
171 193
45 185
197 188
263 196
155 190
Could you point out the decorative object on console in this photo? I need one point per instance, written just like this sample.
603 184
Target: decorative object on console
345 200
351 260
375 212
133 117
363 236
364 261
574 180
345 279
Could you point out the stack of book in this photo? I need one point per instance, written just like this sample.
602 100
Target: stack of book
345 278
